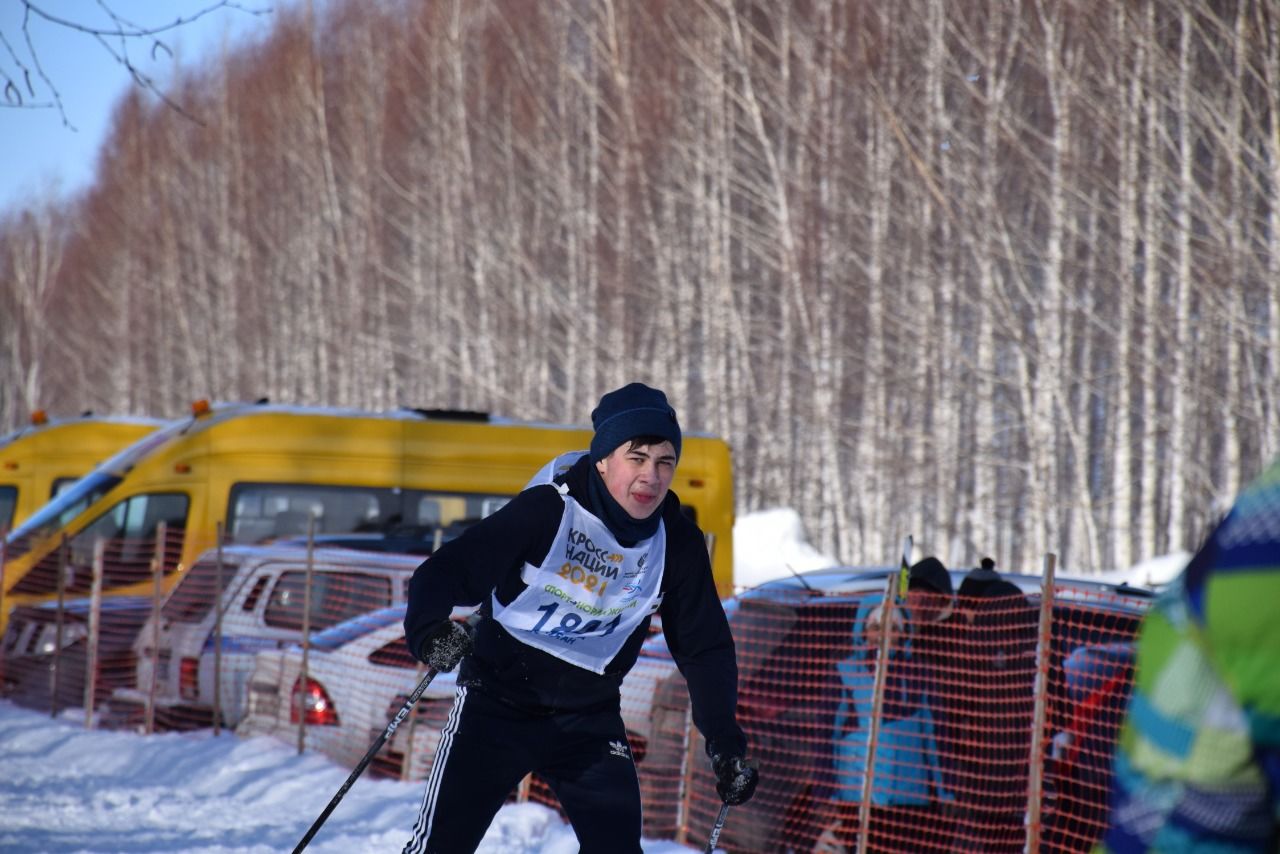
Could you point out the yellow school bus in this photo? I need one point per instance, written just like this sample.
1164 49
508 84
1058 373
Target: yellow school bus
265 471
40 460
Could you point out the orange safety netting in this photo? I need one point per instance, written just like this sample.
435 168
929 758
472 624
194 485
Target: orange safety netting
963 758
989 723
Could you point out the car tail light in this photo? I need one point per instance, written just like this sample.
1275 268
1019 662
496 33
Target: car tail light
311 702
189 678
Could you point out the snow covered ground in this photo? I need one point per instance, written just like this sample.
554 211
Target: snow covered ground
67 789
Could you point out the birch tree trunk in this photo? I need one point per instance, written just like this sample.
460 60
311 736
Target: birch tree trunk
1149 493
1127 399
1183 339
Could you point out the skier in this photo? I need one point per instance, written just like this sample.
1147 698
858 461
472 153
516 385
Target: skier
568 575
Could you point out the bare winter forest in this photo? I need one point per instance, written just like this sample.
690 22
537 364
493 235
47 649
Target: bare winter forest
1002 274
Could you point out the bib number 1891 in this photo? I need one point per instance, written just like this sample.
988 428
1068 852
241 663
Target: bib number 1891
571 623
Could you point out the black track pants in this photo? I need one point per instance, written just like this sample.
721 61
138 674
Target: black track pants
486 749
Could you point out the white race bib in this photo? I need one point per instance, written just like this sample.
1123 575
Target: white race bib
589 594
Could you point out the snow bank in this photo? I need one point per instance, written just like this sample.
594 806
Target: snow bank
1148 573
765 543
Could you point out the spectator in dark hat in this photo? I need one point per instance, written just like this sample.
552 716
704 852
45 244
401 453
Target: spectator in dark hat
928 600
988 721
985 583
929 573
929 591
936 667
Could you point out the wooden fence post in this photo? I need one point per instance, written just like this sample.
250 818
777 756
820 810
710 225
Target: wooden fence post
157 586
217 637
877 707
684 805
411 728
58 622
1035 788
306 631
95 632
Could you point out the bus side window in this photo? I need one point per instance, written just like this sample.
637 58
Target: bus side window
142 525
129 529
259 512
489 506
109 527
428 512
8 501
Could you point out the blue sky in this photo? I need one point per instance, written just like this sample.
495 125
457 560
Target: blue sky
39 154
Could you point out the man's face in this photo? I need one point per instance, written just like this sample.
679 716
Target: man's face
639 478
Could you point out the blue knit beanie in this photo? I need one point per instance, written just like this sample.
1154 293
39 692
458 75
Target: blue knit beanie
631 411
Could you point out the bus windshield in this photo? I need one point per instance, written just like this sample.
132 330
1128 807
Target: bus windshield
72 500
69 504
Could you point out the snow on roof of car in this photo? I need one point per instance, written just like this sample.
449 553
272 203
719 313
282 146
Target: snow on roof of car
357 627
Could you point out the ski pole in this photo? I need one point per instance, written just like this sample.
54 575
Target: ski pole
368 757
715 831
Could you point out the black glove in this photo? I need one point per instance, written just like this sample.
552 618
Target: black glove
736 778
446 643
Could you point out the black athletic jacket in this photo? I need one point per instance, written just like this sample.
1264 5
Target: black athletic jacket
487 558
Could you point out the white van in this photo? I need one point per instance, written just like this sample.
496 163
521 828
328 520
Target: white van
263 601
